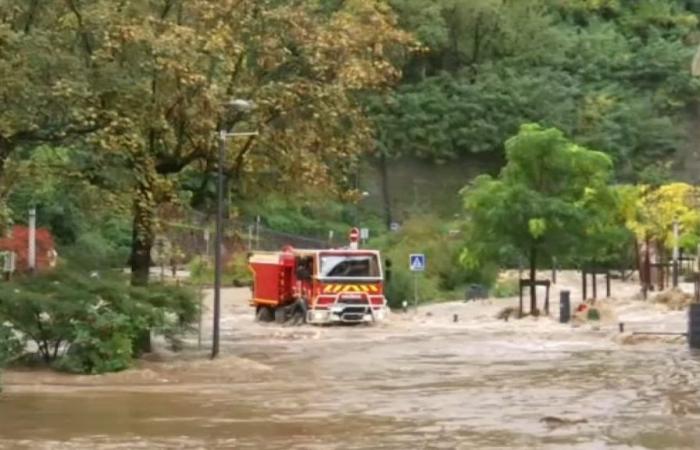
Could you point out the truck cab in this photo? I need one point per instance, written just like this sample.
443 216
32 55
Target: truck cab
319 286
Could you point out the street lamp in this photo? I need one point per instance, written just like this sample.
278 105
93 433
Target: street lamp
242 106
363 196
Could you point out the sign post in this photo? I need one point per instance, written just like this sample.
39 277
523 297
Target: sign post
364 235
416 263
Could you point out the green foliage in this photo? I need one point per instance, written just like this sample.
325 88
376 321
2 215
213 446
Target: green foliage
545 202
236 271
505 288
314 215
88 324
612 74
93 250
444 275
11 345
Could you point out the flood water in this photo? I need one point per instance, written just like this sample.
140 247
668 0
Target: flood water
408 384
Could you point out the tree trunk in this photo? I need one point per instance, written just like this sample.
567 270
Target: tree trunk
647 265
661 271
533 278
386 195
143 237
638 261
141 244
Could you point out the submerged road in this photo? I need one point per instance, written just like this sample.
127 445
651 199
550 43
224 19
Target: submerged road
417 381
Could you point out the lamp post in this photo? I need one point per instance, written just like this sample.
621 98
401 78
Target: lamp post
363 196
243 106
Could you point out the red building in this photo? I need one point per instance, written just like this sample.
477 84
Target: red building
18 243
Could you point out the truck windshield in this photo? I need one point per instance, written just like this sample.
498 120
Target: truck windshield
342 266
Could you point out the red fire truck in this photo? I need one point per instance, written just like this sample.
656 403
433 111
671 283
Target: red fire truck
319 286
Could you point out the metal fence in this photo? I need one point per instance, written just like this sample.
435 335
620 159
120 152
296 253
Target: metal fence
196 238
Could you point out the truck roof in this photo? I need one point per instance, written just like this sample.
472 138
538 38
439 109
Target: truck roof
273 257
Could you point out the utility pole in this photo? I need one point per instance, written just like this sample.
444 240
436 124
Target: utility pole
243 106
31 256
217 247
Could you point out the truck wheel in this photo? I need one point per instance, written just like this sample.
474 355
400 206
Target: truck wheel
264 314
281 314
299 316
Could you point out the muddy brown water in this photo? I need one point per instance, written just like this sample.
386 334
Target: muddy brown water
404 385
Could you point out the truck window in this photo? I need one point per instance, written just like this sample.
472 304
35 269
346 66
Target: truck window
342 266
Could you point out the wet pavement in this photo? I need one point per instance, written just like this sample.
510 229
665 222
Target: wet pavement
418 381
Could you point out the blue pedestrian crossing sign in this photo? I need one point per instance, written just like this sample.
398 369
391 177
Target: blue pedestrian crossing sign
417 262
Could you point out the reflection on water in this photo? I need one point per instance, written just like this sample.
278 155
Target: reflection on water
395 387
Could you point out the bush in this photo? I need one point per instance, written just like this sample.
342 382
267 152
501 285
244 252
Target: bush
444 275
506 288
11 346
89 324
239 271
93 251
235 272
401 288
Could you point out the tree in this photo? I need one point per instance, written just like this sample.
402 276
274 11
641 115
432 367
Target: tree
187 60
144 84
650 213
539 205
612 74
43 84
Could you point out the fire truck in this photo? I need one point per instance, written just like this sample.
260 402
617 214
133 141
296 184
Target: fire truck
343 285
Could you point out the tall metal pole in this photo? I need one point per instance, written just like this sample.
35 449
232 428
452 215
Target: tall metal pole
31 258
675 253
415 290
217 247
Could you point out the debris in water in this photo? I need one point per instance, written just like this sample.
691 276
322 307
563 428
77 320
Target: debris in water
596 311
506 313
556 422
674 299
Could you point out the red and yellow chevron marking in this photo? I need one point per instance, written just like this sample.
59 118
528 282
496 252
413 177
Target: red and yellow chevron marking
338 288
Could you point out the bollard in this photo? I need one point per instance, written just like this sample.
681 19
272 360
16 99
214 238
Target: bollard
622 327
455 318
564 306
404 305
694 326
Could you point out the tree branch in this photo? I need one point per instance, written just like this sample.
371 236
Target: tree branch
82 32
31 16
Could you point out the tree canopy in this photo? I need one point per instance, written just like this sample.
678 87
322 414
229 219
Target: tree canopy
145 84
614 75
542 204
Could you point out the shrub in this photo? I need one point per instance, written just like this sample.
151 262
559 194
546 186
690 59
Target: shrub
401 287
444 274
239 271
506 288
89 324
235 272
94 251
11 346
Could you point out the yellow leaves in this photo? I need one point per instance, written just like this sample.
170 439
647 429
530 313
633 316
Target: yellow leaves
650 212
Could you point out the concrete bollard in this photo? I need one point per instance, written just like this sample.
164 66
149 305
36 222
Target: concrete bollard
694 326
564 306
